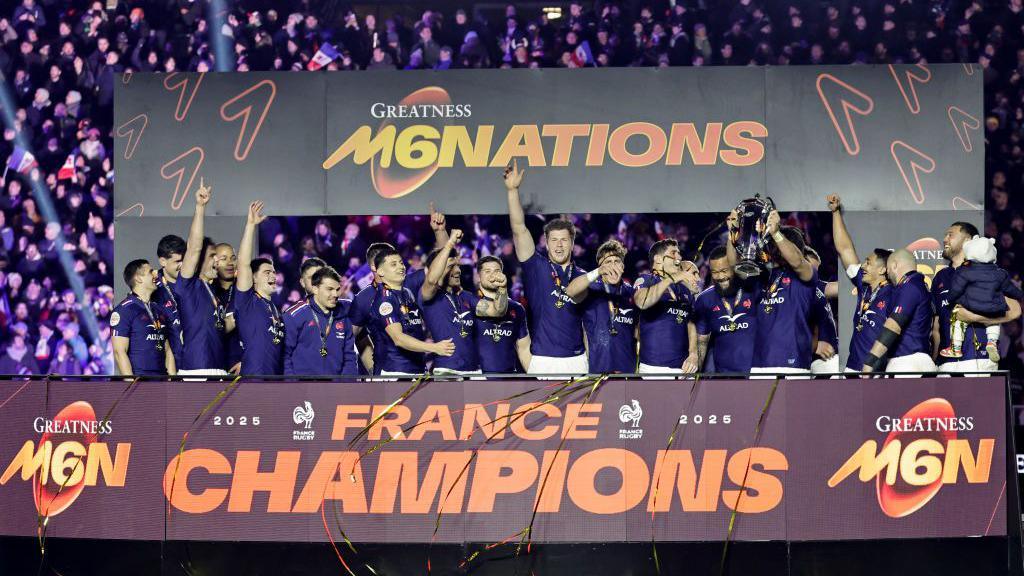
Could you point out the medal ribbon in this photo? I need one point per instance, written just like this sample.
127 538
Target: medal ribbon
320 331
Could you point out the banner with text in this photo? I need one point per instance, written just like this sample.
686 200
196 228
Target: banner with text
294 461
897 137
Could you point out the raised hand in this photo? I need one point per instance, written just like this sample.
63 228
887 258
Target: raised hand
733 220
203 193
444 347
256 215
513 176
501 282
455 237
774 220
437 221
834 202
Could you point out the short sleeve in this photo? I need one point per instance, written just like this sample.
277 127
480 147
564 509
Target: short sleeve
387 310
700 317
121 321
243 300
520 326
906 300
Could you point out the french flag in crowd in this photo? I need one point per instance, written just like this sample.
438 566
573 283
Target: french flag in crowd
21 161
324 56
67 171
582 55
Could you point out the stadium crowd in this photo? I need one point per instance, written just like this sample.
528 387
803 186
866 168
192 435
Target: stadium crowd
59 61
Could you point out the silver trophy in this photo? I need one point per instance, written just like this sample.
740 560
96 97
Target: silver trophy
750 240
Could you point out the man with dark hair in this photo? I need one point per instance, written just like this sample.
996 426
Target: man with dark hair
874 292
399 337
826 357
448 309
975 349
668 337
784 339
138 334
365 300
260 327
555 319
903 343
306 270
504 339
318 339
226 265
318 332
203 317
169 252
609 316
725 317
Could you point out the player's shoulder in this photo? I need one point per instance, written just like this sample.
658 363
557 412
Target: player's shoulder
645 279
296 308
705 295
128 303
345 305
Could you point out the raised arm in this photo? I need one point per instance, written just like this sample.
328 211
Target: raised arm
243 277
437 224
732 223
790 253
840 235
437 269
525 246
496 307
193 252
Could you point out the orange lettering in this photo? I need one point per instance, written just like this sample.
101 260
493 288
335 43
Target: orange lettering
248 479
210 460
488 481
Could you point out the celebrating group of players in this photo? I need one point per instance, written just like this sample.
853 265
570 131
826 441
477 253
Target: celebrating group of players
190 318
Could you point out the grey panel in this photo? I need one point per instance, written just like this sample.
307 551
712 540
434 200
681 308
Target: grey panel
810 155
274 159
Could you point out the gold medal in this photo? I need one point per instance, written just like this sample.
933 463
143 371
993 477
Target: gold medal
559 304
160 346
767 309
613 331
679 318
496 336
463 333
860 327
732 327
323 351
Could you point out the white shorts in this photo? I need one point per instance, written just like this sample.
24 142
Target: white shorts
919 362
556 365
975 368
202 372
769 373
830 366
649 369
